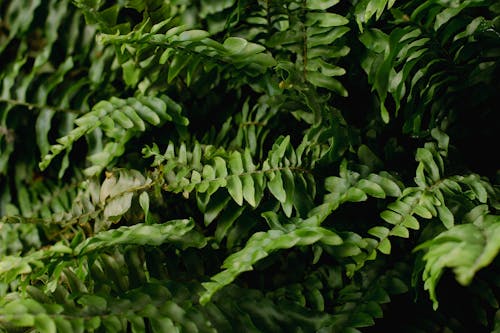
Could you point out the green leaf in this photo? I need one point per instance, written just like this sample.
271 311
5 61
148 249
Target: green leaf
235 188
249 189
425 156
422 212
258 247
410 222
321 4
192 35
371 188
275 185
236 163
389 186
327 82
178 63
384 246
325 20
391 217
144 203
235 45
445 216
354 194
400 231
380 232
45 324
118 206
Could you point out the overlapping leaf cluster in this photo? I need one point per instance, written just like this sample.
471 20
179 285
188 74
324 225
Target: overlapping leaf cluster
247 166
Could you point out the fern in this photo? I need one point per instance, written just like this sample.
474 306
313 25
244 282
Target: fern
466 248
248 166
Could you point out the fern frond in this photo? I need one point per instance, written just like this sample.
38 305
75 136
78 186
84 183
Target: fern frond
400 64
465 248
365 10
205 170
179 46
259 246
120 120
177 231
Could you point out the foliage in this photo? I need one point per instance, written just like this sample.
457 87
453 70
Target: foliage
249 166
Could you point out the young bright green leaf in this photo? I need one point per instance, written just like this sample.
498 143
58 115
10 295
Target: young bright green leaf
400 231
379 232
410 222
422 212
144 203
384 246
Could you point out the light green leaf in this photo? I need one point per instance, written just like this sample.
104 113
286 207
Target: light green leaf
321 4
249 189
235 189
400 231
389 186
192 35
235 45
278 151
445 216
118 206
220 167
391 217
355 195
371 188
236 163
410 222
422 212
275 185
384 246
379 232
45 324
144 203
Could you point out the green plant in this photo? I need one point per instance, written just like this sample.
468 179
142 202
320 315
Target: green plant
248 166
